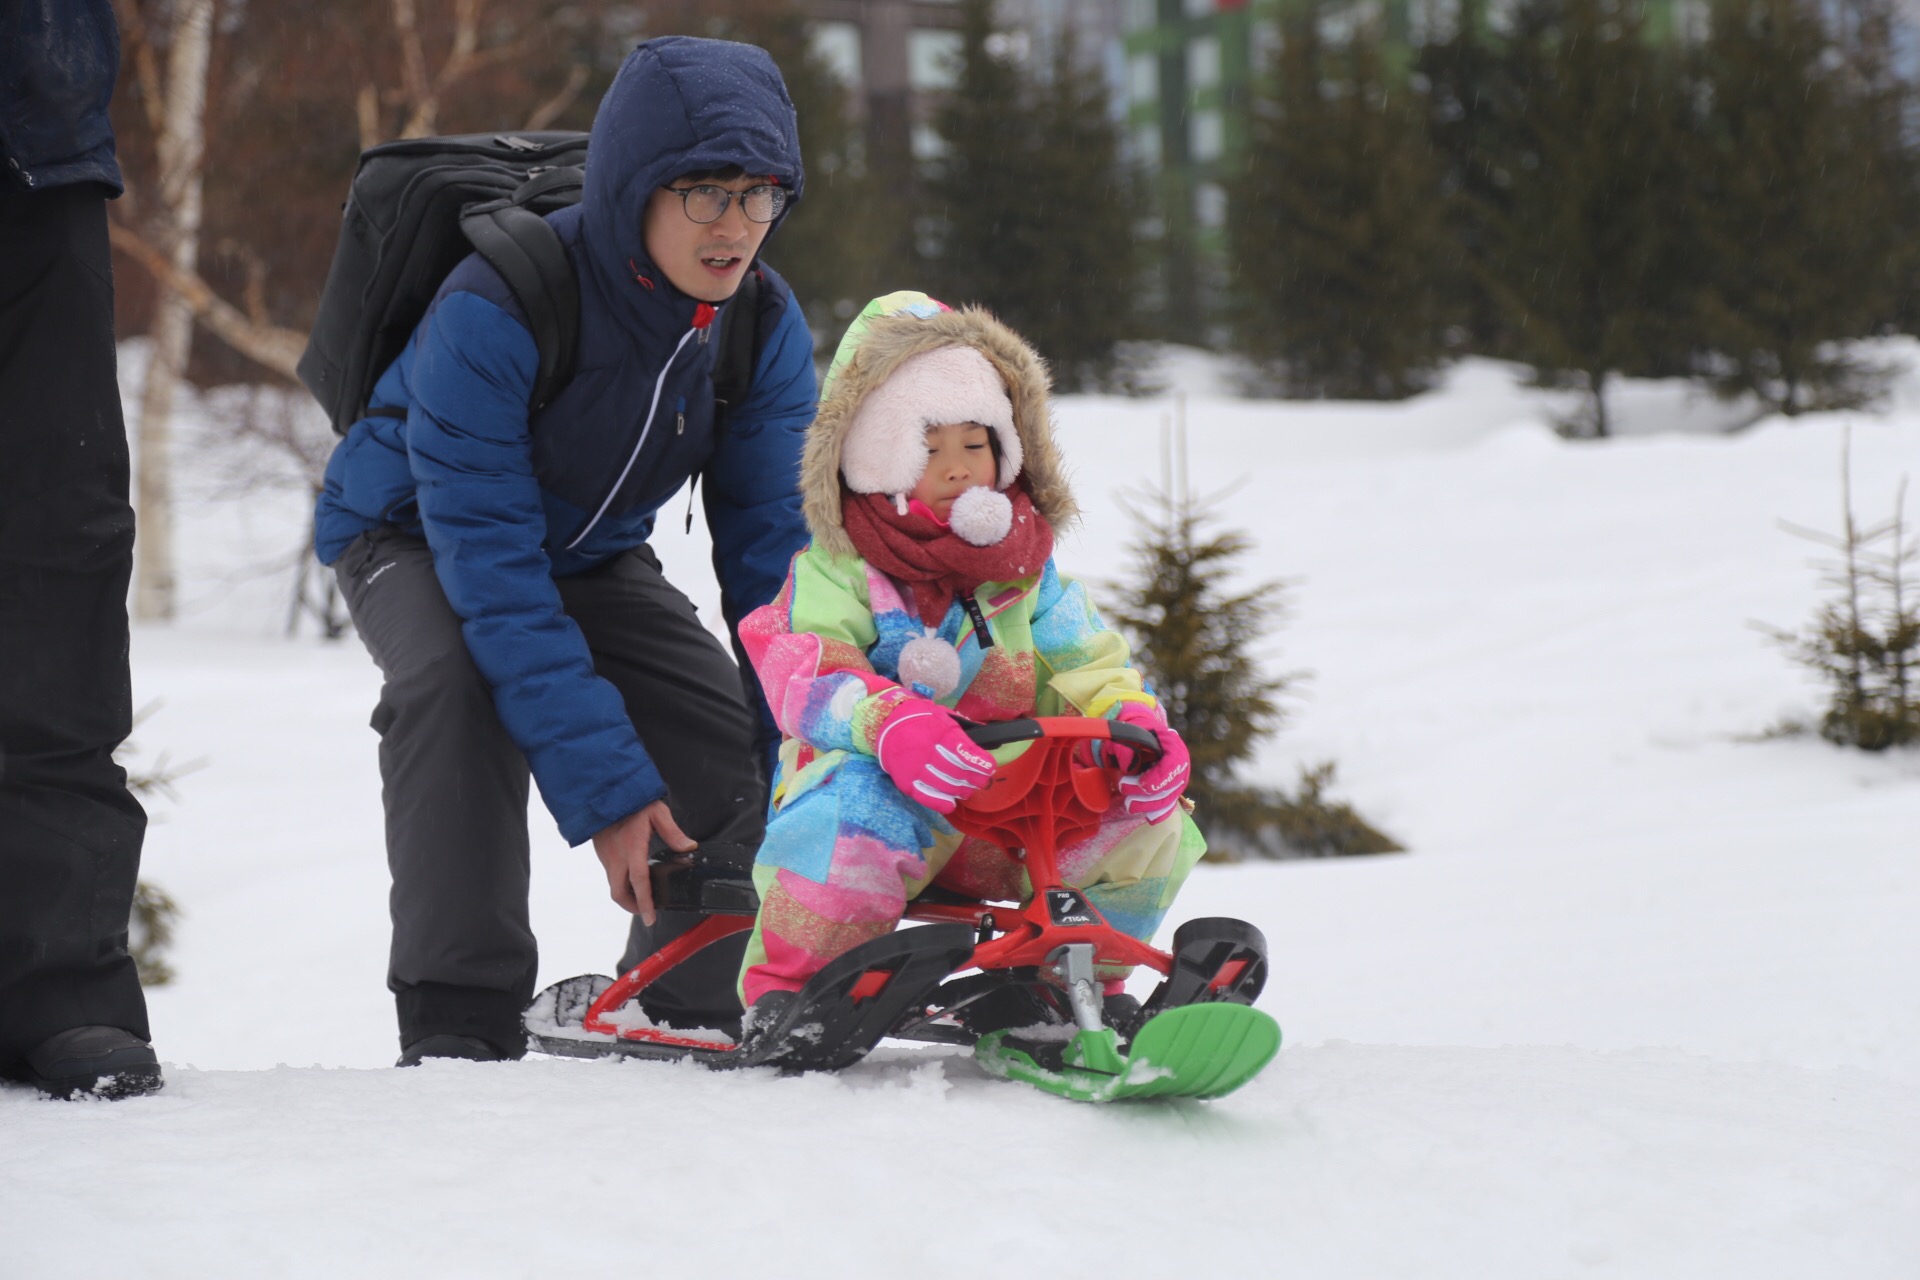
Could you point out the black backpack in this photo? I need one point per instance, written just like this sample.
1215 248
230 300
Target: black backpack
416 208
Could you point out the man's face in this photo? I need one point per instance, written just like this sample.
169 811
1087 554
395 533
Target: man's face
704 260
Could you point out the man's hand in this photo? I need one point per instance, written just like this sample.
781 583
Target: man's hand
622 849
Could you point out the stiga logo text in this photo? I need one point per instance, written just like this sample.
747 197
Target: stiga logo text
1069 909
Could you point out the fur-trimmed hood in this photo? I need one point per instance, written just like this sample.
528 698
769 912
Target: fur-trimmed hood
888 332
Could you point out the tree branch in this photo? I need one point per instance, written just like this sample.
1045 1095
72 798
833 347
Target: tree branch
133 28
550 110
413 59
366 106
270 345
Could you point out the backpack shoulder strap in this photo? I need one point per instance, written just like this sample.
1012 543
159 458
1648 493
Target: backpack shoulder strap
527 253
739 348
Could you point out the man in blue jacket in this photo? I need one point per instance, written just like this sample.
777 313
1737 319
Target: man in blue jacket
72 1017
496 562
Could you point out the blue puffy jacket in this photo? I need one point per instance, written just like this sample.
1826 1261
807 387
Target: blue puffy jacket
507 504
58 61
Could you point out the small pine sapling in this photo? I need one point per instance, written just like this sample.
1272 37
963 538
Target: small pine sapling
151 923
1865 642
150 934
1193 637
1312 824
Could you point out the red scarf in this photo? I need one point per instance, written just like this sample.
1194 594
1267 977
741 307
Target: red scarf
933 560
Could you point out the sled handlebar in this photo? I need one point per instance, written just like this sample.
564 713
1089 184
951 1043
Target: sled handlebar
1145 746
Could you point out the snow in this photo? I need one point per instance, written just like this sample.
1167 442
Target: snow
1643 1000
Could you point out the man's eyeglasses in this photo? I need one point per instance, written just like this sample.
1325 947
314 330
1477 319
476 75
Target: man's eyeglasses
704 203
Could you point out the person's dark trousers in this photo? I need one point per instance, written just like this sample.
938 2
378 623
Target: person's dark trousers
69 831
455 786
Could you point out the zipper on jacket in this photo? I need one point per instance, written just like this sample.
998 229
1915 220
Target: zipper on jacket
653 407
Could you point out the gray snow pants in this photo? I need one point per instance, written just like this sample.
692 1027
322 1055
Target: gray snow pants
455 786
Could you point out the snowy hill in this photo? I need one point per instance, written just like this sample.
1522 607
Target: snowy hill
1643 999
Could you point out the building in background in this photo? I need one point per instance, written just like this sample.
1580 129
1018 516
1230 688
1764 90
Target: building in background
1183 74
1190 72
897 57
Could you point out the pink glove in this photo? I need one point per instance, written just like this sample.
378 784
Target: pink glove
923 749
1156 793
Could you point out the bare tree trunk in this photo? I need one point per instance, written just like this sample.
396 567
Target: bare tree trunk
181 149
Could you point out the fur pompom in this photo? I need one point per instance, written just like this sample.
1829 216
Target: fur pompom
931 663
981 516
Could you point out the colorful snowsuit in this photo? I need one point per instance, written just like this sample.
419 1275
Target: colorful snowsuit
845 849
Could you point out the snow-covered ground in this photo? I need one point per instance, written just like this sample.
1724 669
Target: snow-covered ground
1643 1000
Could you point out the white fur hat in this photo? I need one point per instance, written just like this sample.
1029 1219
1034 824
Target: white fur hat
885 450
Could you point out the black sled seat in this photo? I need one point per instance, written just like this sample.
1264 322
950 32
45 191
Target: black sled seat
715 880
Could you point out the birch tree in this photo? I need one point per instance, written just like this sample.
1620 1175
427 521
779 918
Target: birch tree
175 230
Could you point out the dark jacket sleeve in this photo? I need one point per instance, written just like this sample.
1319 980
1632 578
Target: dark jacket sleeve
480 505
58 62
753 487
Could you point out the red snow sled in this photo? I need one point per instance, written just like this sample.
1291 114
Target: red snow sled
1014 981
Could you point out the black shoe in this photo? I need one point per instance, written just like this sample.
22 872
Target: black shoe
764 1018
93 1062
1123 1013
466 1048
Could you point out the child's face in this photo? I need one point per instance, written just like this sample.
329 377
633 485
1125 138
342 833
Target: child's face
959 458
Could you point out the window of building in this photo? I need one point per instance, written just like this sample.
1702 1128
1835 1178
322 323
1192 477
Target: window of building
1341 22
1143 77
1207 135
1146 145
1210 205
837 45
1266 42
933 59
1691 20
1203 62
1501 15
1014 46
1432 21
927 143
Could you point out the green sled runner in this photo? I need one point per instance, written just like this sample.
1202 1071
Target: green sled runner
1192 1051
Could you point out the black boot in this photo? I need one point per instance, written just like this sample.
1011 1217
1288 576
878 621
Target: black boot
466 1048
1123 1013
764 1019
93 1062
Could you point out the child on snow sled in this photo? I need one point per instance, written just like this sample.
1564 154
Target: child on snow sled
933 489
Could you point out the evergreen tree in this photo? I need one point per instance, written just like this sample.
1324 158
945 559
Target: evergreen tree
154 915
1581 251
1033 206
1865 642
1473 126
1337 227
1799 200
1193 636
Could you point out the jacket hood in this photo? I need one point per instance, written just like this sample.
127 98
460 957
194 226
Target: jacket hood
890 331
681 105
